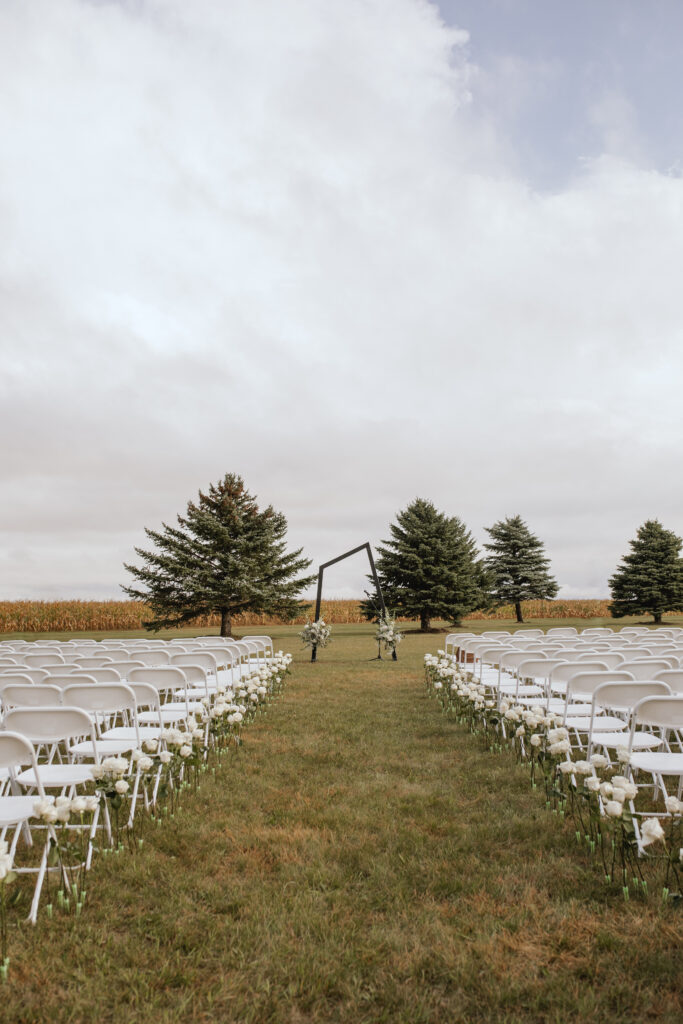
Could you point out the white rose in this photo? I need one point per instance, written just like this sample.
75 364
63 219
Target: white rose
536 740
673 805
185 751
151 746
145 763
618 793
631 790
584 768
165 756
566 767
78 804
562 747
520 731
614 809
121 786
619 780
623 756
592 783
91 803
606 790
598 761
651 831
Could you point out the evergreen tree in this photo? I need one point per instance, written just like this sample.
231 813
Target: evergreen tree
429 568
517 566
650 577
224 557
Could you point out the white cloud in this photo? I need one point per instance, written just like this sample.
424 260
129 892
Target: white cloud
277 239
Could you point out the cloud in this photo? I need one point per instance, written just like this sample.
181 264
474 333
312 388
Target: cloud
280 240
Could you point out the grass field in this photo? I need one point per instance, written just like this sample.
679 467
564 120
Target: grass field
358 860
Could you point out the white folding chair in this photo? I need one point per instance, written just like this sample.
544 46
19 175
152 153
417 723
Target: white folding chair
665 714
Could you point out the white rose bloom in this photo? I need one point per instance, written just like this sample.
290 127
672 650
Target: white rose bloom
592 783
145 763
623 756
631 790
619 780
520 731
78 804
504 706
556 735
651 831
165 756
606 790
63 801
566 767
598 760
97 771
536 740
136 755
614 809
151 746
121 787
618 793
561 747
41 806
49 815
673 805
584 768
185 751
91 803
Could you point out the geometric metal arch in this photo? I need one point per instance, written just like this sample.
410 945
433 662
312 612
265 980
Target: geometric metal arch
333 561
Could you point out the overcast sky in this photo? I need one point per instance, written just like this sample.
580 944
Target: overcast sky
357 252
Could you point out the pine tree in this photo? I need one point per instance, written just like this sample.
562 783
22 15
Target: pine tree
224 557
429 569
517 566
650 577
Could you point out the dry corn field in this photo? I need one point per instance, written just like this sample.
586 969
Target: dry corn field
77 616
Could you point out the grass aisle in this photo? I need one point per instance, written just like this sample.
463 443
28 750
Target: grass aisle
359 860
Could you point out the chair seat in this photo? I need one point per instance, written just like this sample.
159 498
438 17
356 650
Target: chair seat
662 763
105 748
56 775
168 714
641 740
606 723
522 691
127 733
14 809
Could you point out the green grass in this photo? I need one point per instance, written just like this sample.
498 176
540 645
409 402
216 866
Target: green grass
358 860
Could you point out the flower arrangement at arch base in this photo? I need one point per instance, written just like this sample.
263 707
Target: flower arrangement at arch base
638 848
314 635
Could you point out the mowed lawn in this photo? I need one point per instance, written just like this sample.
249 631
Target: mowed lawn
359 859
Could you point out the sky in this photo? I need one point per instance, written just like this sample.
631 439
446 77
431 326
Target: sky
358 253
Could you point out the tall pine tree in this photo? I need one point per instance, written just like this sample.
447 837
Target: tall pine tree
224 557
517 567
429 568
650 577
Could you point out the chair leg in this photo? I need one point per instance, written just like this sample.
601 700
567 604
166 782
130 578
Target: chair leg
33 915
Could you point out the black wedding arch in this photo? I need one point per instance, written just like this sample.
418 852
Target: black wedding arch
333 561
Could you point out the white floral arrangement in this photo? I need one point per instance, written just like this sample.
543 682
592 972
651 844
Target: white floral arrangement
315 634
388 634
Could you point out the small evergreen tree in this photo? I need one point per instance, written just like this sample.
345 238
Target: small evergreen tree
650 577
429 569
224 557
517 566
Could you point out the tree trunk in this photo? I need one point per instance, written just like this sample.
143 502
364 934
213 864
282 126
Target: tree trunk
424 621
226 624
518 610
657 618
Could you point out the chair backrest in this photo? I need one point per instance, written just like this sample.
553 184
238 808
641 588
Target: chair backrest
538 668
597 631
153 659
662 712
100 675
195 675
203 658
9 662
106 698
610 659
453 641
30 695
101 661
562 631
41 660
146 696
625 696
50 724
16 752
673 677
64 670
68 679
35 675
588 682
265 642
495 634
124 667
562 673
645 669
170 678
516 658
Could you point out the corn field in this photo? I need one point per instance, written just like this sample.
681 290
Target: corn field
90 616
